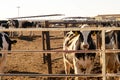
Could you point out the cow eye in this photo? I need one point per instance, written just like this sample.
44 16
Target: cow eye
81 37
94 34
76 33
67 34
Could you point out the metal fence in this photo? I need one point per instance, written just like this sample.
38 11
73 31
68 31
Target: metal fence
103 50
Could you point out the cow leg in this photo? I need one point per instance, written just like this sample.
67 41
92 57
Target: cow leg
67 67
31 33
77 69
89 69
20 33
2 64
11 34
67 64
1 70
15 34
117 64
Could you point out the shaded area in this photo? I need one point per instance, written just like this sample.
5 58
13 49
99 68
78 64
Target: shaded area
24 72
28 38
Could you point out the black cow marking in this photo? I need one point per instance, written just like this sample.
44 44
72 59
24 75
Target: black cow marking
109 36
0 55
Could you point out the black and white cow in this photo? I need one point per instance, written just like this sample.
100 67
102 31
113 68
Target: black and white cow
112 58
21 24
111 42
4 25
3 22
27 24
82 63
13 23
5 45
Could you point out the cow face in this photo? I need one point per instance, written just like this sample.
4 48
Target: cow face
87 39
10 22
5 42
13 23
84 38
111 40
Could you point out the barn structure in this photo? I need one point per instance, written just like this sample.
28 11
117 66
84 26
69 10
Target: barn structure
115 17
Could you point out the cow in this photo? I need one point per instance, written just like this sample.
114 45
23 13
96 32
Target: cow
5 45
27 24
112 58
82 63
13 24
4 25
3 22
21 24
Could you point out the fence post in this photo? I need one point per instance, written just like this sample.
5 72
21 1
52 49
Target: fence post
103 56
66 25
48 48
43 46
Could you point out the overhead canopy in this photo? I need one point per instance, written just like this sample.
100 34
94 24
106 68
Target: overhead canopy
37 16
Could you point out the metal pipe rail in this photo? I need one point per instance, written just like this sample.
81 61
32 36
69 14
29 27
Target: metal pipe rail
83 22
60 75
52 75
61 29
65 51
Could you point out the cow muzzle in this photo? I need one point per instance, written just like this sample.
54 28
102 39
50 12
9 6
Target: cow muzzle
86 46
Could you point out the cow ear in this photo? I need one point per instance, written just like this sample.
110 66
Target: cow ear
73 31
94 33
76 32
13 41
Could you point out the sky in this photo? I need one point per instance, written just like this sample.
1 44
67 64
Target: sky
9 8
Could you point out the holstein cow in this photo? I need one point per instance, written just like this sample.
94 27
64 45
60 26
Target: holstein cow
13 24
82 63
5 45
27 24
112 59
21 24
3 22
4 25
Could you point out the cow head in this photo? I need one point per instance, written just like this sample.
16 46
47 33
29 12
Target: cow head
111 39
13 23
6 42
87 39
